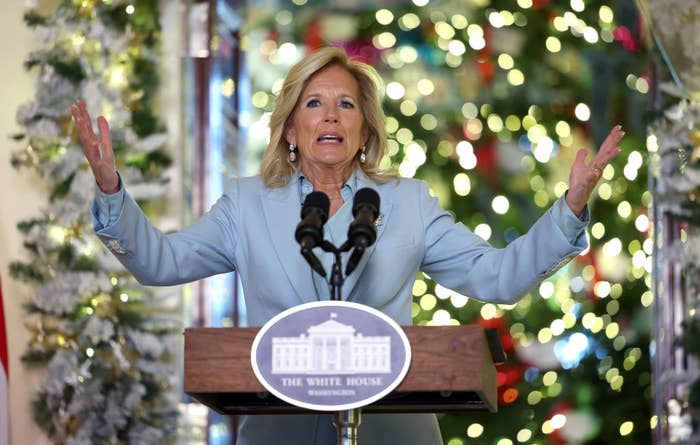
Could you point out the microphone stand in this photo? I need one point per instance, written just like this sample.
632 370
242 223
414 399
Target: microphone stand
337 279
347 422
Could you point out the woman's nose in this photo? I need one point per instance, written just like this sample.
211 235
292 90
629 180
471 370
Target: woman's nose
331 115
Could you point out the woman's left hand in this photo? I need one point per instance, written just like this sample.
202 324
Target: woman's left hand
584 176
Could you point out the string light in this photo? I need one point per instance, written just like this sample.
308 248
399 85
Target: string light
462 184
626 428
496 19
553 44
428 122
590 35
442 318
444 30
426 87
407 54
469 110
284 17
483 231
428 302
420 287
488 311
582 112
500 204
384 16
409 21
458 300
475 430
395 90
384 40
408 108
606 15
459 21
524 435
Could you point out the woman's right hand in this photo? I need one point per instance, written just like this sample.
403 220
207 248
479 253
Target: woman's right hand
98 151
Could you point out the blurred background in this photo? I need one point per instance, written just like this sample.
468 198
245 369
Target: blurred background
487 100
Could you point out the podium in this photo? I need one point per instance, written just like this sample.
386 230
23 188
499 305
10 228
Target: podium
452 370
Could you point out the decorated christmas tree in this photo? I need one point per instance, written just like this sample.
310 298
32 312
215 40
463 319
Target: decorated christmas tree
489 102
106 344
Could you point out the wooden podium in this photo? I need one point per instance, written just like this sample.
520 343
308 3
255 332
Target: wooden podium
452 369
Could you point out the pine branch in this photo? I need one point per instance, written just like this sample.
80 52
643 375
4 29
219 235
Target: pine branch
27 273
33 19
35 359
26 225
43 414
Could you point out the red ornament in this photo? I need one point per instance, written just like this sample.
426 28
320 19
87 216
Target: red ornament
312 36
623 35
484 64
501 325
509 375
487 161
510 395
486 70
360 50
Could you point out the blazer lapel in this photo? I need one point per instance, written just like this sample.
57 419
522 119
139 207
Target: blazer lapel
281 208
384 212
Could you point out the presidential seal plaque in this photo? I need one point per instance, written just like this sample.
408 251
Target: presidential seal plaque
330 355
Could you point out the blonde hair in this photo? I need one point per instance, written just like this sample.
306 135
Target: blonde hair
276 169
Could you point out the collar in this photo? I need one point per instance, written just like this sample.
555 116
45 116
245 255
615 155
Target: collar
305 187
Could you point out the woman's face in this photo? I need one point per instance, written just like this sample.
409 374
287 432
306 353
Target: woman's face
327 124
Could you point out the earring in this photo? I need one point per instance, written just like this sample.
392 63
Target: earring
363 156
292 153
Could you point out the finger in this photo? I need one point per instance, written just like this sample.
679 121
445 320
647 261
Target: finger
106 152
77 115
82 118
613 138
610 148
604 156
88 139
581 157
85 120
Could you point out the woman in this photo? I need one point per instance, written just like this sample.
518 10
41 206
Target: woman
327 134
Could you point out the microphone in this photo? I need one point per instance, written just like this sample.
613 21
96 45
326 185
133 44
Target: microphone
309 231
362 232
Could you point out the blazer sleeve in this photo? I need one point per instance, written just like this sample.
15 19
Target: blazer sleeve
460 260
201 250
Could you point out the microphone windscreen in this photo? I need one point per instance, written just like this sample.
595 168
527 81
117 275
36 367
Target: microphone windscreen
365 196
317 200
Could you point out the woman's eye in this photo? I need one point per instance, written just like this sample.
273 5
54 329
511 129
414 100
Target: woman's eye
313 103
347 104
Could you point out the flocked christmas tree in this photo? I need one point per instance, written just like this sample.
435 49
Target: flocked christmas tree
106 343
489 101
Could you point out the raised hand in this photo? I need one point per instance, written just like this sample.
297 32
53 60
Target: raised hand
584 176
98 151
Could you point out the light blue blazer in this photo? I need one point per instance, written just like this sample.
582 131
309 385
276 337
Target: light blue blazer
251 229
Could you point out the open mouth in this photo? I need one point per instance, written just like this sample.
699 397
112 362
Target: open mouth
329 138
